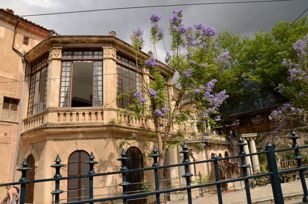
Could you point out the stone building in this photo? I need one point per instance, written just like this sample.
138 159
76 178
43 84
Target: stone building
17 36
76 103
67 96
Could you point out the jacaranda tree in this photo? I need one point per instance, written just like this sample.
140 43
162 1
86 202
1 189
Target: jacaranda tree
296 87
191 56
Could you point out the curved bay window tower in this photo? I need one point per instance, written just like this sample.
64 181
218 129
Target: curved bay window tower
78 92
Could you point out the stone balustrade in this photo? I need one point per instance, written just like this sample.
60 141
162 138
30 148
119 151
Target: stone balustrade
73 115
34 121
89 116
64 116
128 118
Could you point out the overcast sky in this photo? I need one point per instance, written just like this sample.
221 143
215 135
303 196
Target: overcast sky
238 18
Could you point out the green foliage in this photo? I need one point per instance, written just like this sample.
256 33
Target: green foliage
255 70
262 181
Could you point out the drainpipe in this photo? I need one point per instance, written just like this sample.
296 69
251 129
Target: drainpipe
20 108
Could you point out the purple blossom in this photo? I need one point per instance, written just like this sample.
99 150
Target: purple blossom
192 43
208 95
174 20
209 31
136 38
152 93
223 57
154 18
300 46
138 94
218 118
151 62
192 62
200 26
187 73
285 110
182 29
197 91
297 74
284 62
165 110
158 113
178 13
157 33
143 100
210 85
160 33
138 32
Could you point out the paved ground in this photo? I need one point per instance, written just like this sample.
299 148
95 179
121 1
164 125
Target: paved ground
258 194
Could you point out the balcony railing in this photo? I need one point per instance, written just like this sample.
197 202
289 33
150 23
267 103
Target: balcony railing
98 116
64 117
61 117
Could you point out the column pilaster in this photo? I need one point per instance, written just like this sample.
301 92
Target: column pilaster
247 158
255 158
110 83
53 77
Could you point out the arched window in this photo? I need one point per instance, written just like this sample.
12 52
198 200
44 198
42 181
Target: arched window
212 155
30 176
77 189
135 161
219 155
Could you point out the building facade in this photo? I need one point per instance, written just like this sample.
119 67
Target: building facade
17 36
77 100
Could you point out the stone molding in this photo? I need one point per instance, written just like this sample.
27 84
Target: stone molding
55 53
109 53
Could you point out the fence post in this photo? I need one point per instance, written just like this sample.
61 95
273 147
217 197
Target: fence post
298 159
244 167
23 169
91 172
275 179
155 155
56 193
187 174
217 178
123 158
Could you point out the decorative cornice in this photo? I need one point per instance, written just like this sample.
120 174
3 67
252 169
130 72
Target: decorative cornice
89 42
55 53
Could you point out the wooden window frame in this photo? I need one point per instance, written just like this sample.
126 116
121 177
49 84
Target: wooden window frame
133 82
74 55
35 70
9 109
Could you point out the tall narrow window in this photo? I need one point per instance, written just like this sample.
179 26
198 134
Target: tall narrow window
65 84
38 85
81 79
82 84
77 189
128 81
30 176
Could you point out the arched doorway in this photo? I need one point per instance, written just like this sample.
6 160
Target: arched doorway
135 161
30 176
77 189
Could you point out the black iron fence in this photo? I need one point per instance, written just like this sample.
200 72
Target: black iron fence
274 174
